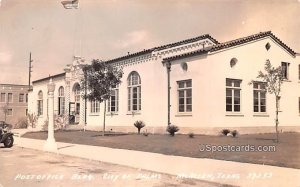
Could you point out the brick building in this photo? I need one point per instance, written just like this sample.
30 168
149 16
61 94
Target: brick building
13 103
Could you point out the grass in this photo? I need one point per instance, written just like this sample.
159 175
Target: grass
287 152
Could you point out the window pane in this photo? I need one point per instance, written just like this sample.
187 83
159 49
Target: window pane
255 85
255 101
189 108
189 83
236 100
181 84
228 108
189 101
237 83
189 93
228 100
237 93
236 108
263 95
228 82
181 108
181 93
255 94
228 92
255 108
263 108
262 102
181 101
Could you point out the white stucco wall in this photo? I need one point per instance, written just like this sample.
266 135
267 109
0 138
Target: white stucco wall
209 73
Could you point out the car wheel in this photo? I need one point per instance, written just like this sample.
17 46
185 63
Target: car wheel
9 142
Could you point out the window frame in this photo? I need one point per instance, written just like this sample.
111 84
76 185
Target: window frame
21 97
40 102
184 90
285 72
61 101
233 88
2 94
8 101
114 90
94 107
259 91
134 87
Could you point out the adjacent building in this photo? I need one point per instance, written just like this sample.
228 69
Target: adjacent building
13 103
199 84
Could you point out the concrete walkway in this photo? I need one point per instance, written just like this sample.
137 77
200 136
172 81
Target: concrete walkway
224 172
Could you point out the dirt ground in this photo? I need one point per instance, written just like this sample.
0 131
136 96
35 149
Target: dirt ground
27 167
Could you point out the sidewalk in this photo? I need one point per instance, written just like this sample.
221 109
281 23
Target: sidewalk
223 172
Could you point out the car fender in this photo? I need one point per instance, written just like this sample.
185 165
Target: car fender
5 135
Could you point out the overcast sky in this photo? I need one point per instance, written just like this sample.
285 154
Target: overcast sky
105 29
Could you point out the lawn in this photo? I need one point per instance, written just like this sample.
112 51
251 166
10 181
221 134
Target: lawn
287 152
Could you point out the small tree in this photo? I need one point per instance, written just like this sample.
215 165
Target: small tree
99 78
139 125
273 78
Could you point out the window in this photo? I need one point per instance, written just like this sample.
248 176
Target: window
26 98
113 102
134 92
233 95
9 97
2 98
95 107
21 97
9 112
61 101
40 104
26 112
285 69
259 97
184 96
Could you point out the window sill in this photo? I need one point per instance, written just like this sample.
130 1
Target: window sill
133 113
183 114
96 114
112 114
234 114
261 115
287 80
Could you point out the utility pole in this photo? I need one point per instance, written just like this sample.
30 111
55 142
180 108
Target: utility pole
30 70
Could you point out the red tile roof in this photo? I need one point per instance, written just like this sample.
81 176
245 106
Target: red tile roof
233 43
148 51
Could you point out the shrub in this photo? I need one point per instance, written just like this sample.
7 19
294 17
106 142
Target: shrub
32 118
234 133
225 131
191 135
21 124
139 125
146 133
172 129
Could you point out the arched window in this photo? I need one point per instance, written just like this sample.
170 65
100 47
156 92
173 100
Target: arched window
40 103
134 92
61 101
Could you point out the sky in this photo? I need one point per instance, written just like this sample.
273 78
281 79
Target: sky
106 29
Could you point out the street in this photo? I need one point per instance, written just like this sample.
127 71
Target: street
28 167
